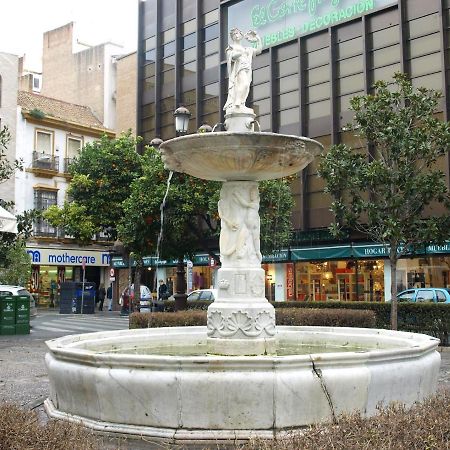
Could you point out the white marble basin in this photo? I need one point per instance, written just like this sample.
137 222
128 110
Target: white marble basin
161 383
246 156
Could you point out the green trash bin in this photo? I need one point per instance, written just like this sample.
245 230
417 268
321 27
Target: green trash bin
22 314
7 315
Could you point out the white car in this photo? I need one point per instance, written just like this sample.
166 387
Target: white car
145 297
6 289
203 294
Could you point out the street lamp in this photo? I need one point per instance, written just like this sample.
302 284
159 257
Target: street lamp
182 116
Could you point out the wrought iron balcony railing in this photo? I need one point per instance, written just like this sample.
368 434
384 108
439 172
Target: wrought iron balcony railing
45 161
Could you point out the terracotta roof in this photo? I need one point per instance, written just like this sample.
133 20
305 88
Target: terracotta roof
68 112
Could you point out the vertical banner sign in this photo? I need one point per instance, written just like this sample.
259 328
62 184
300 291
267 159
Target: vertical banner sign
278 21
289 281
189 276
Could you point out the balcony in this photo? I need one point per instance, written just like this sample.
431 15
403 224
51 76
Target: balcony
67 163
44 165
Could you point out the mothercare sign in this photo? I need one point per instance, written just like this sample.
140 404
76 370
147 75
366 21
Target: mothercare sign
56 257
277 21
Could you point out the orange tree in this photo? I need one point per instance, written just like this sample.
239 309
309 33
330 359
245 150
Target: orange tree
190 218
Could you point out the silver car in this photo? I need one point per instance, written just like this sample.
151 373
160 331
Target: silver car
6 289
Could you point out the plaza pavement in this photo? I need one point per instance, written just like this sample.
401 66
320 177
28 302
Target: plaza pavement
23 376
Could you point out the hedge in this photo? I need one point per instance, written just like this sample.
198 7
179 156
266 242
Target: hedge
428 318
287 316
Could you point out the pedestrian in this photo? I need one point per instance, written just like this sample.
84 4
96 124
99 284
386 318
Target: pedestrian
163 293
109 297
101 296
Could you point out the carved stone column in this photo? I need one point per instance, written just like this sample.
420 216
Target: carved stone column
241 321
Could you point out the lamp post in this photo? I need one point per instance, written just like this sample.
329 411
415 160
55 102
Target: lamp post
182 116
120 249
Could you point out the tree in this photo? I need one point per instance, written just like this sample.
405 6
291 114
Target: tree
395 195
14 259
190 217
102 174
16 269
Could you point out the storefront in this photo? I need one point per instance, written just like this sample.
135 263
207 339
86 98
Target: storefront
51 267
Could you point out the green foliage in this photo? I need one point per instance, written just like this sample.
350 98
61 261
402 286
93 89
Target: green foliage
37 113
7 168
101 179
69 218
16 266
428 318
395 195
190 212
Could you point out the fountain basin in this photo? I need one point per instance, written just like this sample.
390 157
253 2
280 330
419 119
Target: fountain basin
239 156
161 383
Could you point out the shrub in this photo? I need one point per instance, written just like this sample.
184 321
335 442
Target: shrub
427 318
424 426
288 316
168 319
325 317
22 430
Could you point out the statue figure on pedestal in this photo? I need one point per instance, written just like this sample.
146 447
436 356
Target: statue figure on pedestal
239 63
240 226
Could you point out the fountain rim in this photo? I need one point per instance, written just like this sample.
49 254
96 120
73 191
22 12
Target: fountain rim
248 134
406 344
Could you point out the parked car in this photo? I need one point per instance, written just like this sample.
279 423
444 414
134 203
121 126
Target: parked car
417 295
6 289
203 294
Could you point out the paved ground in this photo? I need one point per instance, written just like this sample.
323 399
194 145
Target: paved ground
23 376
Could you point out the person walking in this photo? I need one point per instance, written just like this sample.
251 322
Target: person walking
109 297
101 296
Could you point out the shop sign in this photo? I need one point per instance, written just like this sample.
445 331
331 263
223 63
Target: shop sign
277 21
67 257
290 281
282 255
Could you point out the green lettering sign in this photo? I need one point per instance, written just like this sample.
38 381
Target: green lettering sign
278 21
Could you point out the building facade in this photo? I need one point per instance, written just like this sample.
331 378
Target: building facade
316 57
80 73
50 133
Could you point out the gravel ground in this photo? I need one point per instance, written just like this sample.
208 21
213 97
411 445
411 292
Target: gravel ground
23 380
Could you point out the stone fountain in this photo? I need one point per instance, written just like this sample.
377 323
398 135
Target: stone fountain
241 376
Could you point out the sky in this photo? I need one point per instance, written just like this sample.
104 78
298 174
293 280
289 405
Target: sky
23 23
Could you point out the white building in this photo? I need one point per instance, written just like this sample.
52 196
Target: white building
50 133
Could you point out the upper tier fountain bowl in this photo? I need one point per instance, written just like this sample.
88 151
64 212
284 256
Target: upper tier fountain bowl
244 156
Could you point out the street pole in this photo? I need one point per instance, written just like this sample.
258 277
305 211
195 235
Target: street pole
82 284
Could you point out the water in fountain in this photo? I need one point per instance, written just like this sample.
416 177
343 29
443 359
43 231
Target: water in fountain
161 229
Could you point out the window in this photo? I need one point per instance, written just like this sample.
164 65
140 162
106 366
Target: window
440 296
44 142
74 145
43 199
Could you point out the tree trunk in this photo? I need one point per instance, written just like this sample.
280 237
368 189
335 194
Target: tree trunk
393 261
137 282
180 295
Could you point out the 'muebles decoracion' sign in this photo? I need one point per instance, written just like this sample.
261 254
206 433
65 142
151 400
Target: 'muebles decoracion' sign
282 20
